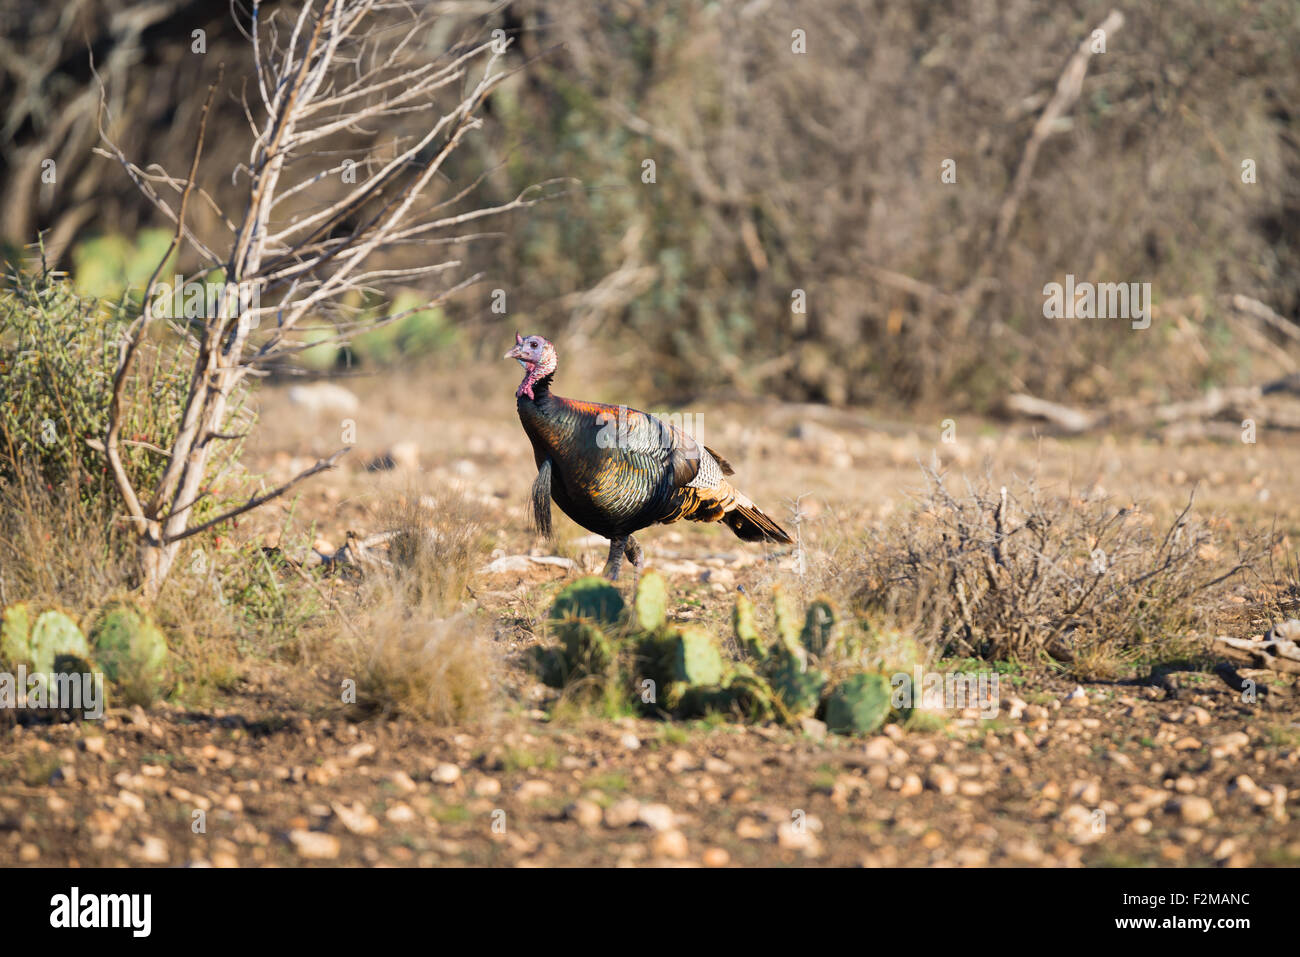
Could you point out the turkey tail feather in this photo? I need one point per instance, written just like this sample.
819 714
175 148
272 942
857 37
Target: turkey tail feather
751 525
542 500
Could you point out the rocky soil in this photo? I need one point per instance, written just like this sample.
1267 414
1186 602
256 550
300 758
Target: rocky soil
1183 772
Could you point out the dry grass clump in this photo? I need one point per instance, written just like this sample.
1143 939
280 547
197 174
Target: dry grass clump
420 651
440 669
1018 574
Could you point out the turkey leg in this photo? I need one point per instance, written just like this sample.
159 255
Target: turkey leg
617 546
633 553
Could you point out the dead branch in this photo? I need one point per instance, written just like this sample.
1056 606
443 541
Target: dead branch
1068 88
320 466
1271 651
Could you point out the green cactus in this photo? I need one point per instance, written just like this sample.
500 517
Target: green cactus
859 704
587 649
128 645
15 635
747 633
689 655
818 635
591 598
651 605
787 627
54 634
799 689
551 665
751 697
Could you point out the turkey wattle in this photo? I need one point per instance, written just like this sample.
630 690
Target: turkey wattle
616 470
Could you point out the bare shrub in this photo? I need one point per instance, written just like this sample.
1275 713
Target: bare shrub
1020 574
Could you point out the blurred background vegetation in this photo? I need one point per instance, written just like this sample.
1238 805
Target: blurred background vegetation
774 172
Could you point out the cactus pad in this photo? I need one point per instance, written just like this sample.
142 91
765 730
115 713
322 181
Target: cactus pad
15 635
818 635
858 705
591 598
128 644
54 634
651 606
799 689
747 633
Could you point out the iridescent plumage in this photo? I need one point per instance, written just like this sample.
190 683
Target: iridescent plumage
616 470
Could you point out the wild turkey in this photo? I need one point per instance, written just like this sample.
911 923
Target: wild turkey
615 470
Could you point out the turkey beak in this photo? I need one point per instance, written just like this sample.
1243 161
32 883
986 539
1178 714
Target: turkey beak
513 354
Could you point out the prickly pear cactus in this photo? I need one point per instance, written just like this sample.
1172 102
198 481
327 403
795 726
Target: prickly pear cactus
787 626
751 697
688 655
54 634
818 635
15 634
859 704
552 667
127 643
591 598
651 604
587 648
799 689
747 633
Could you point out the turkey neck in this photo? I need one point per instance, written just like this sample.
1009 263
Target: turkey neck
550 421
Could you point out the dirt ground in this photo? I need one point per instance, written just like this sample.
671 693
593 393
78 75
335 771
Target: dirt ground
1113 774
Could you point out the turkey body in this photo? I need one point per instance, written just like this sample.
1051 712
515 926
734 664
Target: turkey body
615 470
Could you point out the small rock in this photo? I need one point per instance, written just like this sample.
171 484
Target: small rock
587 813
1227 745
630 741
941 779
445 774
910 786
813 728
533 789
29 853
402 781
355 818
487 787
314 845
716 857
1195 810
671 844
623 813
657 817
150 850
802 839
400 814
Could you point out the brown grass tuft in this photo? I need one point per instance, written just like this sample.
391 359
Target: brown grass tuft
420 651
